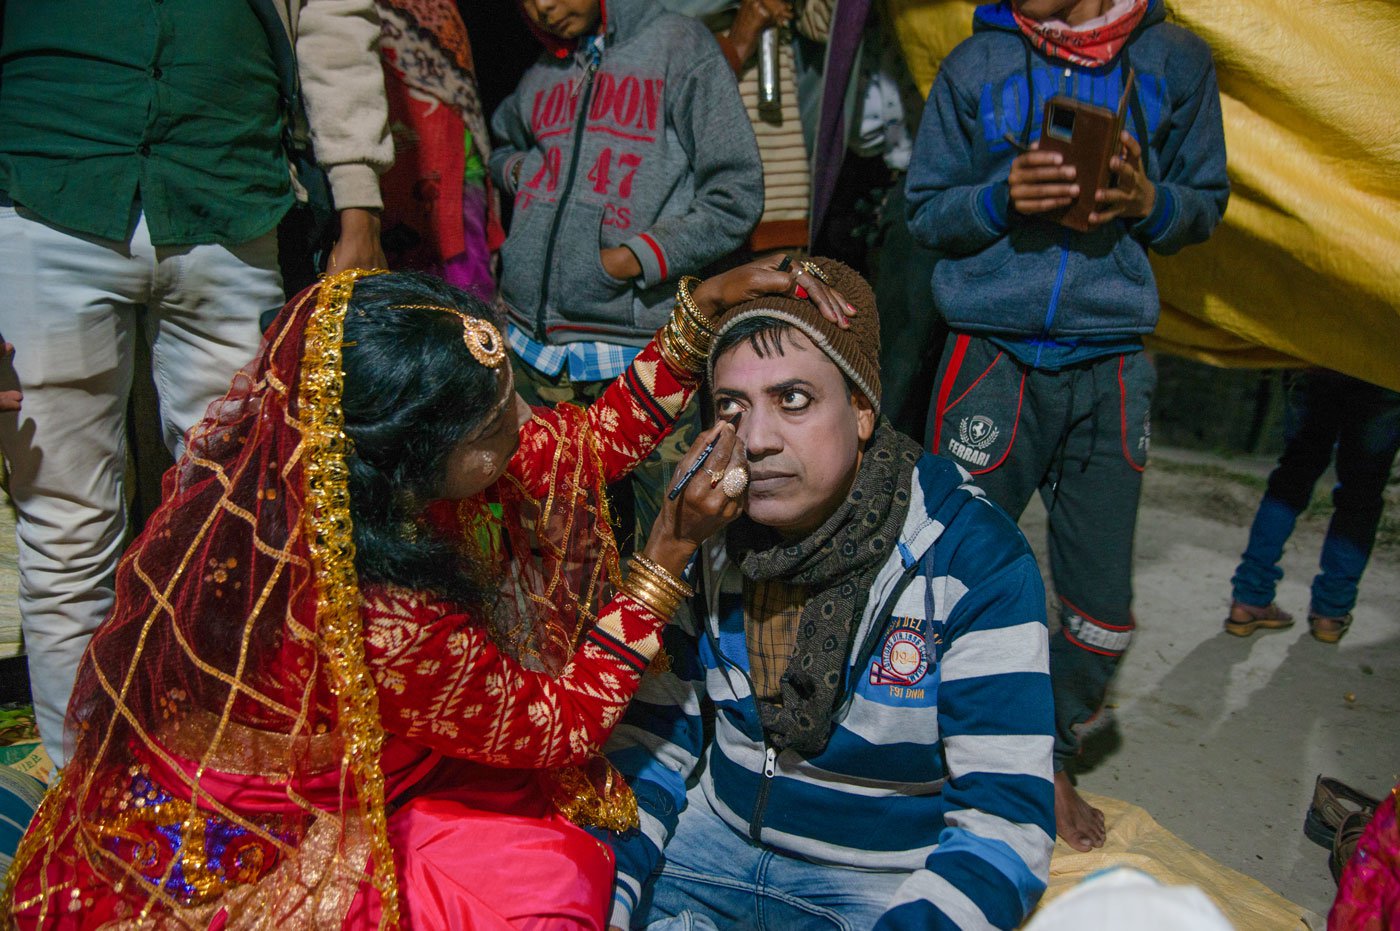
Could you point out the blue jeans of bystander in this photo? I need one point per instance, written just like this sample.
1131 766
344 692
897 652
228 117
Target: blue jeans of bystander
1325 411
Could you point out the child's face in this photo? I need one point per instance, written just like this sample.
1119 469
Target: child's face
1068 11
567 19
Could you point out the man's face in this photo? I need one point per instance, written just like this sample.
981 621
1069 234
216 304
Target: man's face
567 19
803 429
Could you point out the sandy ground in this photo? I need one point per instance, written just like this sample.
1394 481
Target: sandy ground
1218 737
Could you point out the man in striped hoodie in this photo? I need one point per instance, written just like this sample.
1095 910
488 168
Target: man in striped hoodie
872 638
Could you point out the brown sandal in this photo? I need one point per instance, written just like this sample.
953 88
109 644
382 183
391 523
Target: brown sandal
1344 844
1246 619
1329 634
1333 802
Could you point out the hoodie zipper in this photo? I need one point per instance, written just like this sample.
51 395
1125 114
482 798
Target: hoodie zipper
770 759
574 158
1054 294
770 754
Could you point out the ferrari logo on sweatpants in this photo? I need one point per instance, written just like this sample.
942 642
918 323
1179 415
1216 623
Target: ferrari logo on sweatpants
975 434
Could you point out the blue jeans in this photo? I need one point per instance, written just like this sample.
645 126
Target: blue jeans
1326 410
713 877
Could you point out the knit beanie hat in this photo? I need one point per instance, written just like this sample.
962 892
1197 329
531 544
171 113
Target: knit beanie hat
856 351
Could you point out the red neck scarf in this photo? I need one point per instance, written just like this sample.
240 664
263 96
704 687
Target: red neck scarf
1091 45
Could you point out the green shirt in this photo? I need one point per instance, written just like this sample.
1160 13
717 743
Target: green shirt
169 106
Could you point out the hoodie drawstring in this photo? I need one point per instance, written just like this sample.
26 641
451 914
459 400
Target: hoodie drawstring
1030 94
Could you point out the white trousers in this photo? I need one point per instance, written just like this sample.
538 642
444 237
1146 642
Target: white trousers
74 305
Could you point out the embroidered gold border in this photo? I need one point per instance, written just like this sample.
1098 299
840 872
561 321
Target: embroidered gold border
339 626
248 751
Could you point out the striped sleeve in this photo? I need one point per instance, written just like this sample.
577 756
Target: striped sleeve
992 860
657 746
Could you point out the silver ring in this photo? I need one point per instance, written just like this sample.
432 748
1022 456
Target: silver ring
735 481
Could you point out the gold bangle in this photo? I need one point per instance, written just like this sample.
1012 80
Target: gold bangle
686 341
680 356
695 331
691 317
677 364
681 351
697 336
655 587
684 298
649 578
664 576
642 589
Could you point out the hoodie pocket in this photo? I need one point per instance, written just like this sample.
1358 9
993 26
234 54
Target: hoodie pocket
1109 289
1132 260
586 295
1004 288
522 255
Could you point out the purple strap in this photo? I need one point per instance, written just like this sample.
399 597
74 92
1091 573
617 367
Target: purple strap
847 29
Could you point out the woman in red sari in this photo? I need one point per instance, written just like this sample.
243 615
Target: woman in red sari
357 672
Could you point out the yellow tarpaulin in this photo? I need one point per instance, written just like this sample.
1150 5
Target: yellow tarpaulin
1305 267
1136 840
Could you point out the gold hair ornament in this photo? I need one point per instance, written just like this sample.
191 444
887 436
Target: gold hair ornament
481 338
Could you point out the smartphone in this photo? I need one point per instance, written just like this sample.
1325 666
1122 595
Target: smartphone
1087 137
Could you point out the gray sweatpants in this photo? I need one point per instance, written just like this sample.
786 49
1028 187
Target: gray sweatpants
1079 437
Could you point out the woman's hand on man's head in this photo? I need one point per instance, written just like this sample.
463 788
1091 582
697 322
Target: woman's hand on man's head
772 274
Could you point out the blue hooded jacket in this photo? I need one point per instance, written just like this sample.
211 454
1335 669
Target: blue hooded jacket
1004 274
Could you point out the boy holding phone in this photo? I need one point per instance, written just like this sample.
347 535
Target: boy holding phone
1043 385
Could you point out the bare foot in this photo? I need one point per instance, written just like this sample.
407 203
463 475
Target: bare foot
1078 822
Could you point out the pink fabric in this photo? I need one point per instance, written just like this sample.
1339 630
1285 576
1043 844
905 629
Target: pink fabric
405 764
492 855
1368 895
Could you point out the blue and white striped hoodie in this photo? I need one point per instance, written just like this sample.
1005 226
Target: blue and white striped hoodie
940 762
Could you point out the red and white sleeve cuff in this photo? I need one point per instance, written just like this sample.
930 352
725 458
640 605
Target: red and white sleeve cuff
655 265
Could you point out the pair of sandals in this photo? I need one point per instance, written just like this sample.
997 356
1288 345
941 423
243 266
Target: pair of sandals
1337 818
1244 620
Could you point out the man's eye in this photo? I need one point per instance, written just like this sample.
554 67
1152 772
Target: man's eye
726 407
795 400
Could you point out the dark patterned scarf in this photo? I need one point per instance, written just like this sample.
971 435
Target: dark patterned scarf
838 563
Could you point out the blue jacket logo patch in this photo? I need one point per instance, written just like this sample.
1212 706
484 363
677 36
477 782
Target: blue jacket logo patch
903 659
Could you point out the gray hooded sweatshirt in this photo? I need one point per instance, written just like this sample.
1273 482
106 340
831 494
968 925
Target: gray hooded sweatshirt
645 145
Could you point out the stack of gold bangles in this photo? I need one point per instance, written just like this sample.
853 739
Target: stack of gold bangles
654 587
687 336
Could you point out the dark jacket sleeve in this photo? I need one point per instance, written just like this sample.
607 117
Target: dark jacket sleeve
1193 186
953 208
512 140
